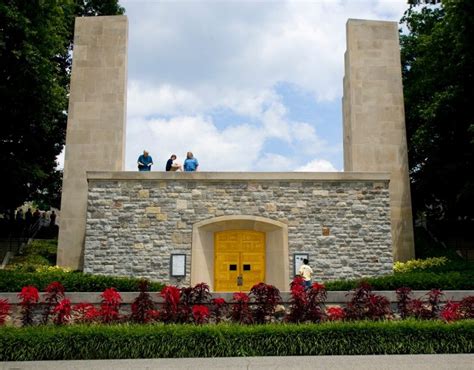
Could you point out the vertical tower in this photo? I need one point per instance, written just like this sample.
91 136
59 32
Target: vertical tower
95 138
374 119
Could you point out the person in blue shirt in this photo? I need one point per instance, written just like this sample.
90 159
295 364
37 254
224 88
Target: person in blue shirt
190 164
144 162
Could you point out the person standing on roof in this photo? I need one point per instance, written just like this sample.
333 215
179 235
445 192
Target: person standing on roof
190 164
144 162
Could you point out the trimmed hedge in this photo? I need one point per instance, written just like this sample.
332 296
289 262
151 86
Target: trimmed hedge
177 341
452 280
13 281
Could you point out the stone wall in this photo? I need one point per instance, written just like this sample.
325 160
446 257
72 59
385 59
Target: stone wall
135 221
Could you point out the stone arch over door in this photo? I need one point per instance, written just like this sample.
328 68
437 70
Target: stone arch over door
202 253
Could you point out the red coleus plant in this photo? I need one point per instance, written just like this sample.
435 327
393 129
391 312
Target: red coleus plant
218 308
171 299
240 309
4 310
365 305
54 293
110 305
143 306
451 311
316 296
467 307
403 301
200 314
298 301
29 297
62 312
335 313
85 312
266 297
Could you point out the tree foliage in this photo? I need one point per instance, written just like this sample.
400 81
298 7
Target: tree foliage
438 77
35 43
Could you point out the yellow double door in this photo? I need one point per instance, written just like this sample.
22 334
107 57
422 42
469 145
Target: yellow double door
239 260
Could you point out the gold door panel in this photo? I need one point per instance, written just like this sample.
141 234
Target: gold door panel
239 260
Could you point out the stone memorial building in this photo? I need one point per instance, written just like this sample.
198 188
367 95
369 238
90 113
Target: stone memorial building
234 229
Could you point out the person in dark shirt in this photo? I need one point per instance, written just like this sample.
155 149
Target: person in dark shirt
172 165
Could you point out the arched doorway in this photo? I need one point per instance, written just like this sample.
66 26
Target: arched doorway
275 250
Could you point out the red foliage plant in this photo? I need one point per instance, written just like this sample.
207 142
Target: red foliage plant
240 308
29 297
4 310
62 312
54 294
85 313
298 301
191 296
365 305
266 298
467 307
110 305
143 307
218 308
316 296
403 301
200 314
335 313
451 311
171 299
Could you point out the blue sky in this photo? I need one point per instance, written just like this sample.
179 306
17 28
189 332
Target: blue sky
245 85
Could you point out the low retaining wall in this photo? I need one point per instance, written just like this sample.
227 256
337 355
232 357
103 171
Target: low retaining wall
333 297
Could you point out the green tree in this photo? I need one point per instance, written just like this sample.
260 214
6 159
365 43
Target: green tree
35 43
438 77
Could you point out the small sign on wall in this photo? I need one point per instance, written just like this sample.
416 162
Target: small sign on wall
178 265
298 261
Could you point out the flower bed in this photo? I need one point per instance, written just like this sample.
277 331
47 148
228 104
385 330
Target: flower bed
262 305
79 342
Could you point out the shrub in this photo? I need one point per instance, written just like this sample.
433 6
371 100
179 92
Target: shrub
29 298
62 312
191 296
298 301
266 297
365 305
143 308
218 309
240 309
335 313
200 314
85 313
171 297
13 281
4 310
110 305
419 264
54 293
451 311
403 301
316 296
467 307
76 342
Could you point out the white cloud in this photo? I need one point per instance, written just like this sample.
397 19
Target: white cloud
317 165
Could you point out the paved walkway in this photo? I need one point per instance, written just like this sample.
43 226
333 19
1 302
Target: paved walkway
387 362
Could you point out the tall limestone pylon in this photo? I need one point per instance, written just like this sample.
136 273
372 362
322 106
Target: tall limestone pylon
95 139
374 119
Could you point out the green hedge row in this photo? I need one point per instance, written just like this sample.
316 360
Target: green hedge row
452 280
13 281
173 341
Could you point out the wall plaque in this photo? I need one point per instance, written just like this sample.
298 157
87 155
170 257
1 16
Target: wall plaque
178 265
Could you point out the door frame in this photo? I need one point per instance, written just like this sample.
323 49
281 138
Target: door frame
276 248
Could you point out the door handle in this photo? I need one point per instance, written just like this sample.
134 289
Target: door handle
240 280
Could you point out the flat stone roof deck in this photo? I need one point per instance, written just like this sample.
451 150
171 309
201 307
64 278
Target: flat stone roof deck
239 176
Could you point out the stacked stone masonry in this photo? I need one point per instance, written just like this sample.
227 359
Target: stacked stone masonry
133 226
